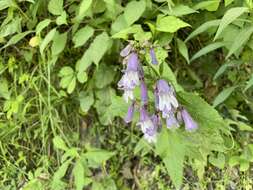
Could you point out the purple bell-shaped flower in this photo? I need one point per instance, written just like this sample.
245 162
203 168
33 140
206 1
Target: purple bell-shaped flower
165 98
144 93
130 79
148 126
190 124
130 113
153 56
126 51
171 121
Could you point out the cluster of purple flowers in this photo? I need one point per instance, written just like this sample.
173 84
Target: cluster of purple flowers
165 98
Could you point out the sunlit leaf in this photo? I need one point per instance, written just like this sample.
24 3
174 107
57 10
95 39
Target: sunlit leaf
133 11
170 24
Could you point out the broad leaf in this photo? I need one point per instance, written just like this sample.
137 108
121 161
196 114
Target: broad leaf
82 35
84 6
171 148
98 47
170 24
211 5
133 11
59 42
55 7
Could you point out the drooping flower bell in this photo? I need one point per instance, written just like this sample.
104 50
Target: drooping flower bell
130 113
171 121
130 79
190 124
153 56
165 98
148 125
126 51
144 93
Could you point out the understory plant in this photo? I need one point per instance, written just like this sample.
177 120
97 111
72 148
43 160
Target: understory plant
126 94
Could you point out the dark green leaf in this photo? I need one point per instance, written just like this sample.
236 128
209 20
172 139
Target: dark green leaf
223 95
229 17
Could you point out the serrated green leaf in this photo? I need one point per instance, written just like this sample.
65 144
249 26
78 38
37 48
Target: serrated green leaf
205 50
133 11
228 18
82 35
223 95
171 148
55 7
170 24
202 28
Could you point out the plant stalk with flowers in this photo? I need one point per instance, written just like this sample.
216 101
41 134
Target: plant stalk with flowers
166 105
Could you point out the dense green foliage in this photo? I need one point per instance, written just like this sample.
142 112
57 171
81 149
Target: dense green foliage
61 113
